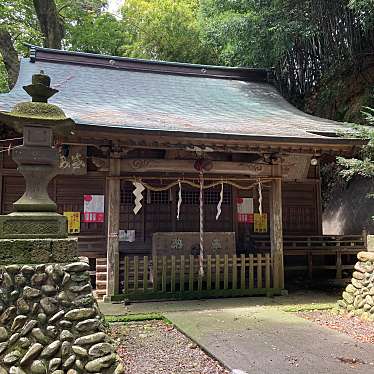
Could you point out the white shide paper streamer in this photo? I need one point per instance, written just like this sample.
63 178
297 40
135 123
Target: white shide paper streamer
139 188
179 200
219 206
259 197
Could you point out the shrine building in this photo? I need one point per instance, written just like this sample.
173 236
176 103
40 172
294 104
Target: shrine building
183 179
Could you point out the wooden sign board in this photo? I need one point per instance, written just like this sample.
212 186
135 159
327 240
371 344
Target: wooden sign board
75 162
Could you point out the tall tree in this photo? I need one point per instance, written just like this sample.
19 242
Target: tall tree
47 22
51 23
17 25
9 56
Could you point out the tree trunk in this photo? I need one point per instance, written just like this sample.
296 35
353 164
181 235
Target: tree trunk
10 57
51 24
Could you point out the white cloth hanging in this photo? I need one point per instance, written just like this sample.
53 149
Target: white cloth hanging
138 193
219 206
179 200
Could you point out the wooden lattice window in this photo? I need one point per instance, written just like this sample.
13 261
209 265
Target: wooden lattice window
211 196
159 197
190 197
127 197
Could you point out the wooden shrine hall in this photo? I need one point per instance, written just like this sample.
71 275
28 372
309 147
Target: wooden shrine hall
183 180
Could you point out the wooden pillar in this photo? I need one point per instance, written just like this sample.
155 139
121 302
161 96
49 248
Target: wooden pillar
276 232
114 201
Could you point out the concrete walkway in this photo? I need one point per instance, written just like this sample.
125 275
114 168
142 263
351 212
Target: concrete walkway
262 340
253 337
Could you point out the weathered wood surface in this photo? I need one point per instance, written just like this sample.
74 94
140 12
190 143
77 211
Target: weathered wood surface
113 207
187 166
276 232
179 274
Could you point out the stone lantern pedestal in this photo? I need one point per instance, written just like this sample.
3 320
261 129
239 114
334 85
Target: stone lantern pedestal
49 319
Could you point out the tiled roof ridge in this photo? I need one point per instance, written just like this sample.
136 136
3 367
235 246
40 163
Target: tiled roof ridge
161 67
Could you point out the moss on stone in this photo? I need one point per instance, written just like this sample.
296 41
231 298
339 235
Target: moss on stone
40 252
36 251
38 110
63 250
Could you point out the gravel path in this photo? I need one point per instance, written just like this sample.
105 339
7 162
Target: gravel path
353 326
154 347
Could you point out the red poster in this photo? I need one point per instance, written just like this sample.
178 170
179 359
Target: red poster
245 210
93 208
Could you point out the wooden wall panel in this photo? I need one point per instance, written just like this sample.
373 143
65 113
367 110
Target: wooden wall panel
13 189
70 191
300 211
158 214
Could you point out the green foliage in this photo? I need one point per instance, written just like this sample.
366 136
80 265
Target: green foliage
3 78
101 33
163 30
236 32
18 17
88 27
363 163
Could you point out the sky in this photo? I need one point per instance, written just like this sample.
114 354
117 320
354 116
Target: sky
114 5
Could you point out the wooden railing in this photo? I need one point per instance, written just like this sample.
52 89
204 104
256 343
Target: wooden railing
262 243
175 277
336 260
311 254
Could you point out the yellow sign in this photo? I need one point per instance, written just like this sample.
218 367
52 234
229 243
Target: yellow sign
74 222
260 222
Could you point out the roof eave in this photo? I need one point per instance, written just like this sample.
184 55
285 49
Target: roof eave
218 136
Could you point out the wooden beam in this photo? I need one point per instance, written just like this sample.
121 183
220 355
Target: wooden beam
276 232
187 166
114 201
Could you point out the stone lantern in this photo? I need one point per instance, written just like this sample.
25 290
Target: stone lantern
46 299
35 213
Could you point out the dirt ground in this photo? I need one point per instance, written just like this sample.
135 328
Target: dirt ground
352 326
155 347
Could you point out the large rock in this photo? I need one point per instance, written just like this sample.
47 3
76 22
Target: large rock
348 298
97 365
365 256
80 314
3 334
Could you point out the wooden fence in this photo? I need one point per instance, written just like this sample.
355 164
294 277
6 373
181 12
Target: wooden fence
177 277
332 255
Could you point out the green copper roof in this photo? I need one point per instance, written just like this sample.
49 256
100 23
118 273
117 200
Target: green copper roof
134 94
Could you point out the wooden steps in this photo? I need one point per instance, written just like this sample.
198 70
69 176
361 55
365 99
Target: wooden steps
101 277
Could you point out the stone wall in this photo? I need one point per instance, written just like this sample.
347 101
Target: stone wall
358 297
50 322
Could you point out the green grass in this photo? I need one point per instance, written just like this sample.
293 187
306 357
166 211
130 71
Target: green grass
137 318
194 295
309 307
